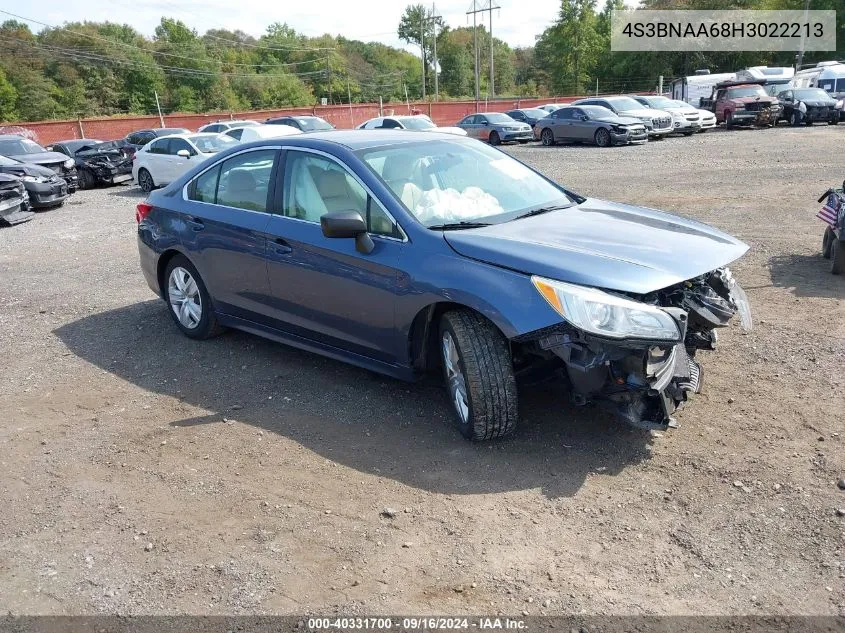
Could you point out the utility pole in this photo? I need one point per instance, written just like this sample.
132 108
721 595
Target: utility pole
158 106
422 47
475 9
492 91
329 75
801 51
435 17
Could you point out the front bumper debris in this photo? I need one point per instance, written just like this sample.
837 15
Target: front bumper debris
645 382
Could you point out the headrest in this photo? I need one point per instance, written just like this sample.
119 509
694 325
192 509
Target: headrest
241 180
332 184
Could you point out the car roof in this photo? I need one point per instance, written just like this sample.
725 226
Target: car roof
361 139
11 137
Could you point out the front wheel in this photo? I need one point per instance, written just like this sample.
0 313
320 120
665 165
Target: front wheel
729 120
188 299
86 179
795 119
547 137
494 138
145 181
833 122
602 137
479 375
837 257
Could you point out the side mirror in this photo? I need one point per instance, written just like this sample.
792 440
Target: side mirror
346 224
584 117
183 153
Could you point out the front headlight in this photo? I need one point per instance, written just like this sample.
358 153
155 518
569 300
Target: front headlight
604 314
68 163
29 179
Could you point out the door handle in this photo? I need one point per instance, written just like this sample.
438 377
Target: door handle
281 246
196 224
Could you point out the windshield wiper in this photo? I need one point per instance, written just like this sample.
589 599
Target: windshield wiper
541 210
458 225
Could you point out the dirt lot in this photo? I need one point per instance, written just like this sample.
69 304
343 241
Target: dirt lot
142 472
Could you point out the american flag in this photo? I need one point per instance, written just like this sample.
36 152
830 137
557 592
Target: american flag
830 210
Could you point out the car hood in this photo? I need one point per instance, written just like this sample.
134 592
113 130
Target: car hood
645 112
28 169
620 120
448 130
744 100
602 244
818 103
42 158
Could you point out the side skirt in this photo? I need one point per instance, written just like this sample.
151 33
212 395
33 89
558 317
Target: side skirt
395 371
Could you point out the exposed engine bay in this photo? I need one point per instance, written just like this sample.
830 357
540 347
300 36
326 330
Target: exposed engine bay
643 381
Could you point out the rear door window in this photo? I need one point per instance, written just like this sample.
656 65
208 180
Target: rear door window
159 147
244 181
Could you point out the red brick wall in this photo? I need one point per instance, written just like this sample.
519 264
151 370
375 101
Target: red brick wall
442 113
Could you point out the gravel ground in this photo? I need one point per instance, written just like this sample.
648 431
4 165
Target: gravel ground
143 472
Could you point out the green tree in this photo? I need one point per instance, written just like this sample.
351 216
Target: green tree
416 26
8 99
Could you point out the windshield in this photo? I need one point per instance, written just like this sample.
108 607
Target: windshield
415 123
659 102
314 124
212 144
498 117
626 103
6 162
449 181
597 112
813 93
19 146
748 91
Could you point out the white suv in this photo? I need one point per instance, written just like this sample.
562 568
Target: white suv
657 122
163 160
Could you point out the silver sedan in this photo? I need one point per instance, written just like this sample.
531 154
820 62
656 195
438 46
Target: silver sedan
495 128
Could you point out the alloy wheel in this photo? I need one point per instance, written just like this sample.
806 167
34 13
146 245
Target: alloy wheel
184 296
547 137
455 377
145 181
602 137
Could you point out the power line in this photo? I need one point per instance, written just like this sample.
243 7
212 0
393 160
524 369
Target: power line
88 56
152 51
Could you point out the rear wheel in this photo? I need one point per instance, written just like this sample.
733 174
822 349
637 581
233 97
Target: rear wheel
86 179
494 138
145 181
188 299
827 242
837 257
479 375
547 137
602 137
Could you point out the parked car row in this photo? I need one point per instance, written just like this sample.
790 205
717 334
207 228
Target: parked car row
32 177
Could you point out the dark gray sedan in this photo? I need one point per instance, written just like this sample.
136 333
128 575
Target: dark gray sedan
495 128
590 124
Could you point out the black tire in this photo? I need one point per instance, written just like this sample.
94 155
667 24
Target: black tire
145 181
207 326
837 257
494 139
834 122
795 119
485 366
602 138
86 179
729 120
689 133
547 137
827 242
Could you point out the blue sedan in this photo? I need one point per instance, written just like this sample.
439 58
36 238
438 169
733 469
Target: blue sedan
403 252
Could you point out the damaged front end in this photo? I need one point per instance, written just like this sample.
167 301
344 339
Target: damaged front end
637 356
109 167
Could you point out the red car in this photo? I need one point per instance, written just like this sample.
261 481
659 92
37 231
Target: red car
738 103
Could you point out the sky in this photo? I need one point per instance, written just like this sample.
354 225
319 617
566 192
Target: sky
515 22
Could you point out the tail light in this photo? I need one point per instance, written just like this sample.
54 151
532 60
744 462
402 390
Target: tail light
143 211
